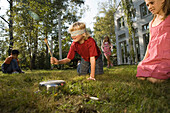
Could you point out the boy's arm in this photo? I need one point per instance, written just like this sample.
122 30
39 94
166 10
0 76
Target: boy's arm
56 62
8 60
93 65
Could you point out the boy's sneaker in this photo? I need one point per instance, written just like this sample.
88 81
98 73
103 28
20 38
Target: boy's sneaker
15 72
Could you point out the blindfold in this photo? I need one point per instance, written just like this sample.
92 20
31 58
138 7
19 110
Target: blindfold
77 32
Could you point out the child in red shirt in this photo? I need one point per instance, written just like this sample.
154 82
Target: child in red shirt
86 47
11 64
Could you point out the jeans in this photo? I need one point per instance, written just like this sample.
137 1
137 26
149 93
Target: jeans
85 67
9 68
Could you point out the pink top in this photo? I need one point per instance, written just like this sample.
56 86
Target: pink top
157 64
106 48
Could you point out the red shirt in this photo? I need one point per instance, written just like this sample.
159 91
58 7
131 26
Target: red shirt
86 50
8 60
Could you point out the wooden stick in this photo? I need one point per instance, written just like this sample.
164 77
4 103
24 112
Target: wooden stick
46 41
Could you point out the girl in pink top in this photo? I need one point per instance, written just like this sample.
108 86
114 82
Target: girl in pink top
155 66
106 48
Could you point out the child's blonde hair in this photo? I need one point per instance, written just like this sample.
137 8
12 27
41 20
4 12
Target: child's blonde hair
79 26
166 9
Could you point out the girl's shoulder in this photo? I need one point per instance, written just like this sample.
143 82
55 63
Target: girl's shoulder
167 18
164 22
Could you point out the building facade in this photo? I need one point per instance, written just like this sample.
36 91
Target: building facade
141 25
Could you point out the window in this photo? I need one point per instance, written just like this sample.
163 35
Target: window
144 10
145 27
146 38
137 47
122 36
120 22
133 15
136 30
124 52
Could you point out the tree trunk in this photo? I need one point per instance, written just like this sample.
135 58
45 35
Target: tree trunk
47 55
35 49
11 27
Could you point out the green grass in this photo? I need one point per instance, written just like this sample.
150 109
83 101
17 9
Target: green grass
118 90
1 62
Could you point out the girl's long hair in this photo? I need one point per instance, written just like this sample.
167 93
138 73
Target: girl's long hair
106 37
165 8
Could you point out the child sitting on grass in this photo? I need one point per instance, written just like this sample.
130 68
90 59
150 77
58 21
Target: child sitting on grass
11 63
86 47
155 66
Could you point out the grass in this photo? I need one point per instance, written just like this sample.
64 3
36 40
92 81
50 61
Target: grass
1 62
118 91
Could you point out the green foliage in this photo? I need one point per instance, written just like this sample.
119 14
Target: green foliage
35 20
3 49
3 42
118 91
105 25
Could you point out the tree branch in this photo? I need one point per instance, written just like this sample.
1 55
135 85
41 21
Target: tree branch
5 20
8 1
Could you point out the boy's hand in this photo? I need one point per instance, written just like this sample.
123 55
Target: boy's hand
54 61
